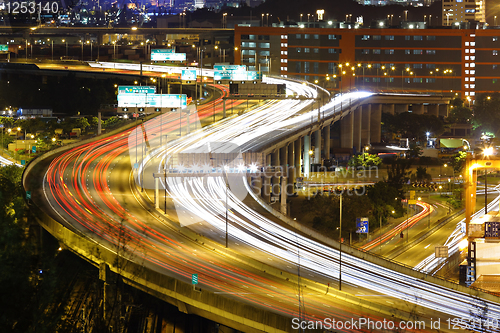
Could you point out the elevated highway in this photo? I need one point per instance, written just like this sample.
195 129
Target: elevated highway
91 200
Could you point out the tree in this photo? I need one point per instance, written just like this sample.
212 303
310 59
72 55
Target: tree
398 174
458 161
422 175
487 112
365 160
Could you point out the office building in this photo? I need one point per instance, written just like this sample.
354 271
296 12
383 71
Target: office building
451 61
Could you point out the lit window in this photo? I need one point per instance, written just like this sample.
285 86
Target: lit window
472 50
472 79
466 64
472 64
472 43
306 50
473 58
466 57
467 86
472 72
495 52
466 79
466 50
472 86
466 71
466 43
472 93
466 93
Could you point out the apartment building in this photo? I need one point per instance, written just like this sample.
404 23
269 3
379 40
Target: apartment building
456 11
451 61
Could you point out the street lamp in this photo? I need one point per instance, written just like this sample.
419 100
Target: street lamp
65 41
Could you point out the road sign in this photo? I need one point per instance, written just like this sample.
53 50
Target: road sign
441 251
412 202
23 162
33 149
4 48
136 90
194 279
28 194
167 54
141 100
223 67
188 75
362 225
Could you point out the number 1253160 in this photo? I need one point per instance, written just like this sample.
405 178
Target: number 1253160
31 7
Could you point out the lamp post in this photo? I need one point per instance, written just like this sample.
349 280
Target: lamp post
486 153
65 41
402 77
340 244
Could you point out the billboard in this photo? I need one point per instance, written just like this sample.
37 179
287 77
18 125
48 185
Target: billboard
4 48
152 100
188 75
136 90
237 75
167 55
238 68
362 225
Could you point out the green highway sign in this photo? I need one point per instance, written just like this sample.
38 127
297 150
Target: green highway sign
28 194
4 48
194 279
23 162
136 90
33 149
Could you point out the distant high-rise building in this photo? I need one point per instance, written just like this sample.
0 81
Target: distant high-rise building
456 11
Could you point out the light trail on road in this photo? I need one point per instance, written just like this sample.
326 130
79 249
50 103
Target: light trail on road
82 183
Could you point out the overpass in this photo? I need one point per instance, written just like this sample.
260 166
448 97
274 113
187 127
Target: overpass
220 307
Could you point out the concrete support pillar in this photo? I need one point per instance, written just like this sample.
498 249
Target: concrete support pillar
326 136
275 158
443 110
376 123
400 108
297 154
290 169
356 136
317 147
266 189
256 185
365 124
346 131
388 108
284 183
223 108
283 156
157 192
417 108
433 109
99 123
307 161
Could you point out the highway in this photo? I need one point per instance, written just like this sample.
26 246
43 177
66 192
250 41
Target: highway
88 189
